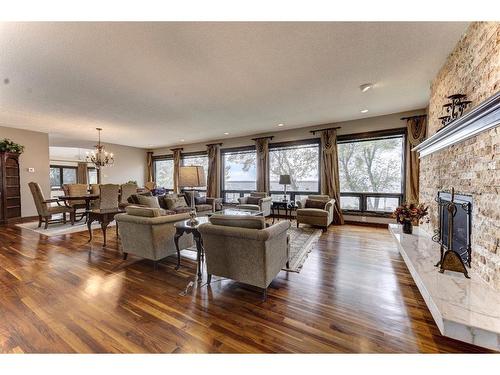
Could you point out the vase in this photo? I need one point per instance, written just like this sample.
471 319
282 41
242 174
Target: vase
407 227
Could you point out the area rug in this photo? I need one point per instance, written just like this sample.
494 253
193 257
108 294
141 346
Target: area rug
60 229
302 241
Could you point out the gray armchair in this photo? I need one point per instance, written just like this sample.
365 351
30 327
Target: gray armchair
45 210
243 249
147 234
258 201
319 212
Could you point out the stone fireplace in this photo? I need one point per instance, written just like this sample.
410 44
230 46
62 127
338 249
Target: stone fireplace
471 166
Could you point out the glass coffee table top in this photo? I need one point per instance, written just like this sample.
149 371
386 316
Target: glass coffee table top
238 212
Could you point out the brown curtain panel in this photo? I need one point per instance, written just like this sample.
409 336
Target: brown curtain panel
262 147
213 189
177 168
149 162
330 184
416 131
81 173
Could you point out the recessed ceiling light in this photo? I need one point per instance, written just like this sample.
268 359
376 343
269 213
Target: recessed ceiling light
364 110
365 87
182 140
226 133
280 125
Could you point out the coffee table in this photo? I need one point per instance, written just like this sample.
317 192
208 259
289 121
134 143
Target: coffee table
236 212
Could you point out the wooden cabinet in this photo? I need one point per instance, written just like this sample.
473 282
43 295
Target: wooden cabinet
10 187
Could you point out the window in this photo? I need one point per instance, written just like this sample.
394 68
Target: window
198 159
300 160
164 172
239 173
60 175
371 171
92 176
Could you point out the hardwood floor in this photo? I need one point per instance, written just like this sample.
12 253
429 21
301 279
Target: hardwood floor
354 295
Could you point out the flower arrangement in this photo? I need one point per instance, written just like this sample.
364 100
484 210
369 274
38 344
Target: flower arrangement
411 212
6 145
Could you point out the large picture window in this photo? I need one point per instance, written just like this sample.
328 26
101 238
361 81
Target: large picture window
300 160
371 171
60 175
196 159
164 172
239 173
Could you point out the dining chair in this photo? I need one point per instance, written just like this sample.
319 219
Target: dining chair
76 190
45 210
108 196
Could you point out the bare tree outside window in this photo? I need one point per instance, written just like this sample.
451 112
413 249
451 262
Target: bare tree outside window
164 173
300 162
372 166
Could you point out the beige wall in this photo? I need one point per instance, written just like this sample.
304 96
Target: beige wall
472 166
36 155
130 162
391 121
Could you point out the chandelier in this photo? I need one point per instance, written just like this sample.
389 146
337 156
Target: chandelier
99 157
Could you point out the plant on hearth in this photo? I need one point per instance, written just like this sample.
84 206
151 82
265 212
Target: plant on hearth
411 212
6 145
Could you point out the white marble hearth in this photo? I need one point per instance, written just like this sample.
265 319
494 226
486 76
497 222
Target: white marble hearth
464 309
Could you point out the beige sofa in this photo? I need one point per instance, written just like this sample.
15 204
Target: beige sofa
322 217
147 234
243 249
263 203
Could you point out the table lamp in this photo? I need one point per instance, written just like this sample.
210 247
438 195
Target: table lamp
192 176
284 180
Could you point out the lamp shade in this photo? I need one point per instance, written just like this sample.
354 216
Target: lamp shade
285 179
192 176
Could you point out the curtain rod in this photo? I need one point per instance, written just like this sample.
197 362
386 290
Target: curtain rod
410 117
320 130
268 137
214 144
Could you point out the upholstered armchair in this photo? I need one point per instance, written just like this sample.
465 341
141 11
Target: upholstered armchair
243 249
45 210
147 234
315 210
258 201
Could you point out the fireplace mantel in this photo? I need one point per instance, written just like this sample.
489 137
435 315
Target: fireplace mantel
485 116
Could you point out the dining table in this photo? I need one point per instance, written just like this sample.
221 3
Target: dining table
84 197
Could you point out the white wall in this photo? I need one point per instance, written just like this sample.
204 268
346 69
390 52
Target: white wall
130 162
36 155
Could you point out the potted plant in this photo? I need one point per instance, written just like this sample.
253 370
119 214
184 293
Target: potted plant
409 214
6 145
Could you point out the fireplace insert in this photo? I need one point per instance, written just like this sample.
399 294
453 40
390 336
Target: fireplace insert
454 231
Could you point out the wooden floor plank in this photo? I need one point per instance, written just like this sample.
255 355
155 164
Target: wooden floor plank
353 295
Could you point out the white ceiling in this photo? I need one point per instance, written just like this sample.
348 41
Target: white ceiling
153 84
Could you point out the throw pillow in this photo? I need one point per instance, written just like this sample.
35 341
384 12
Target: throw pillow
253 200
313 203
200 200
175 202
151 202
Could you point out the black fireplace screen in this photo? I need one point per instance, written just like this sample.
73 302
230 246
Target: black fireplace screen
461 239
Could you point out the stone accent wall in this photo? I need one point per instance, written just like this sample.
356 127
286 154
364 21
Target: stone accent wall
472 166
